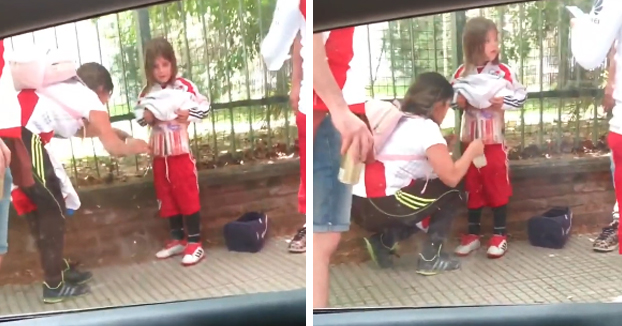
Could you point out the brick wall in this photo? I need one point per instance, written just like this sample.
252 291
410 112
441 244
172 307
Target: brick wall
583 184
119 224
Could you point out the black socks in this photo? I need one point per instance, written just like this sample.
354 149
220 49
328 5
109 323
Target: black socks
500 220
475 217
193 226
177 227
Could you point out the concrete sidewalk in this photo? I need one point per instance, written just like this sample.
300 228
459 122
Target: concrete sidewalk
222 273
526 275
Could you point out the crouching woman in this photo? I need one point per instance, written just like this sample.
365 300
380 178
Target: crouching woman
413 182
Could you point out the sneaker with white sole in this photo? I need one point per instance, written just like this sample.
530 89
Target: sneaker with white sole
468 244
193 254
497 246
172 248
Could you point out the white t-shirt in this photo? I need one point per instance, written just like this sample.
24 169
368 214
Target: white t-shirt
59 108
412 137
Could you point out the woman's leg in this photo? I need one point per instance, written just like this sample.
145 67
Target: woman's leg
48 222
5 203
442 203
298 244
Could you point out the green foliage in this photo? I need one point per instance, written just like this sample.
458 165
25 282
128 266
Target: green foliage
216 42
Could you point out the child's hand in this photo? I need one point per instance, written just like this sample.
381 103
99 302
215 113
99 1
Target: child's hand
149 117
182 115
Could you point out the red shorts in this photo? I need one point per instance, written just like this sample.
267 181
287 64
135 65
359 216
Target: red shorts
176 185
489 186
301 121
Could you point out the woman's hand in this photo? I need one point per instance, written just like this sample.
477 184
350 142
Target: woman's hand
136 146
5 158
475 149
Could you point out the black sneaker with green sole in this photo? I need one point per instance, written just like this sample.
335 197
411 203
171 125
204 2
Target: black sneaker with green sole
380 253
72 275
440 262
63 291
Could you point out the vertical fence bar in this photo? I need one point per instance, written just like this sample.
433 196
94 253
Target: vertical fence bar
95 158
391 57
435 42
247 79
371 74
228 77
541 74
203 11
123 67
561 78
521 22
184 17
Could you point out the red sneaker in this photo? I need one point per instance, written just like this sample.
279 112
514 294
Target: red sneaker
172 248
193 254
468 244
497 246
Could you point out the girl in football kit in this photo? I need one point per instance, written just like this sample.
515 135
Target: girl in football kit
485 89
168 103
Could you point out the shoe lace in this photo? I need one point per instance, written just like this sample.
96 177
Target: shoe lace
300 234
608 231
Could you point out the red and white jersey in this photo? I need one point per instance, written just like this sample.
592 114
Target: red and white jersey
288 20
346 52
402 159
170 138
59 109
486 124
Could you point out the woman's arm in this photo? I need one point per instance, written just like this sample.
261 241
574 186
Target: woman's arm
440 159
448 171
99 126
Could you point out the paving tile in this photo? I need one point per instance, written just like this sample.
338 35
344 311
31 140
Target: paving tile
526 275
222 273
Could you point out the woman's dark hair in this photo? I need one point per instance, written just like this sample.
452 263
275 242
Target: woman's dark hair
96 77
428 89
155 48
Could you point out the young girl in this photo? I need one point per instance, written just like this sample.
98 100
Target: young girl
167 104
491 87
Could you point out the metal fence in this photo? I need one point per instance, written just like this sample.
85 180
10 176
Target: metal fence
563 114
217 47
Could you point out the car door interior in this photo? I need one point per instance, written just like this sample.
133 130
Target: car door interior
577 314
277 308
274 308
329 15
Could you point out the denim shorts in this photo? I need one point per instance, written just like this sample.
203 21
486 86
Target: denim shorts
5 203
332 200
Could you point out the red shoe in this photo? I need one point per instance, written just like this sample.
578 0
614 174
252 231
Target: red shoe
497 246
172 248
468 244
193 254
